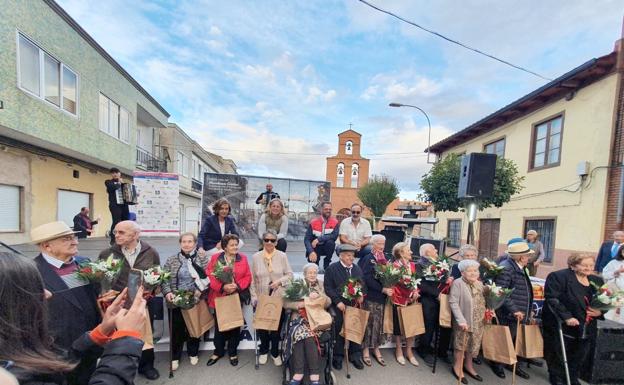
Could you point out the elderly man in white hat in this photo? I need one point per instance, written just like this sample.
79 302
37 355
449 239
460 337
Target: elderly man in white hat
538 251
517 307
72 309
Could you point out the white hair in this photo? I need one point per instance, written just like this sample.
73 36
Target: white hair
466 264
309 266
424 247
377 237
467 247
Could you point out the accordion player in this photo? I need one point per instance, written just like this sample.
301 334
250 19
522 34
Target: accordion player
126 194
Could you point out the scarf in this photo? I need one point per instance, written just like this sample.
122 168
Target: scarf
268 260
191 256
380 258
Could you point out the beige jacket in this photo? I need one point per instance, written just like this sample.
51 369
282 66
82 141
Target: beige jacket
460 300
261 278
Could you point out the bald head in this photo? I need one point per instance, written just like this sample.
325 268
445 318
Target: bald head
618 236
127 234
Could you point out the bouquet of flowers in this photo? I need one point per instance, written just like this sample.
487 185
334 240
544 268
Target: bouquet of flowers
352 290
224 272
494 298
388 274
489 270
408 279
296 290
184 299
437 270
606 299
155 276
100 271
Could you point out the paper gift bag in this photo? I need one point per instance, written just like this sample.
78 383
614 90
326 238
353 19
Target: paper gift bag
198 319
355 321
229 312
445 311
388 323
530 342
497 344
268 312
146 333
318 318
411 320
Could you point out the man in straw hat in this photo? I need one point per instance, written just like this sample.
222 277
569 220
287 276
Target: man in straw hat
518 306
73 305
135 254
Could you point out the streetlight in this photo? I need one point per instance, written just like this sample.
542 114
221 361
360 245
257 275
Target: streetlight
428 122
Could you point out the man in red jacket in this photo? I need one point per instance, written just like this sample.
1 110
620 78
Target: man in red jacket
320 238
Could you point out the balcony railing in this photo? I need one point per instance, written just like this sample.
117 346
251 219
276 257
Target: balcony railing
196 185
149 162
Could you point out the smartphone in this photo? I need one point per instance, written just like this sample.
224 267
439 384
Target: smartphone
135 281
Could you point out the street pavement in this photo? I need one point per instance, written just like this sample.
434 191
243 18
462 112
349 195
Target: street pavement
223 373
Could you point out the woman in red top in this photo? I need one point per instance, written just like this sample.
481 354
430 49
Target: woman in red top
403 296
242 281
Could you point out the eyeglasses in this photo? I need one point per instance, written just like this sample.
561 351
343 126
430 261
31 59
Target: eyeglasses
356 212
68 238
270 240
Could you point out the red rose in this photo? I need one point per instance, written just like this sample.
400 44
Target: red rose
433 267
351 290
87 270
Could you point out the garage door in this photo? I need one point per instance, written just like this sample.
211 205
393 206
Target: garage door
191 220
69 204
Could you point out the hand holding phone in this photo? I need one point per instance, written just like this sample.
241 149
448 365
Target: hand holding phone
135 282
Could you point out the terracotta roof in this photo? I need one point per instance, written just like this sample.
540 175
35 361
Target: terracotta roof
579 77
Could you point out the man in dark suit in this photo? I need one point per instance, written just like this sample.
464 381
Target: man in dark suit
266 197
72 309
608 250
119 212
336 276
83 225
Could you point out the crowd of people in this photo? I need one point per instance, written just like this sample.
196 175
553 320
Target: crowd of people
61 329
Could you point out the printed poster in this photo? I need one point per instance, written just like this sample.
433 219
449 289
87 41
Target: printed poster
157 209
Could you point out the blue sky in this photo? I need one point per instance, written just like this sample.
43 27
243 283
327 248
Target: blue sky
288 76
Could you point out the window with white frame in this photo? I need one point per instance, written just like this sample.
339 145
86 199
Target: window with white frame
183 164
355 172
340 175
45 77
114 119
10 208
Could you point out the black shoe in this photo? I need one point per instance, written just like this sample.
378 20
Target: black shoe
521 373
337 364
476 376
213 360
234 360
477 360
357 363
463 379
150 373
498 371
534 362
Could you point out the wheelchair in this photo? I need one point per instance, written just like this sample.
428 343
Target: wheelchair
326 343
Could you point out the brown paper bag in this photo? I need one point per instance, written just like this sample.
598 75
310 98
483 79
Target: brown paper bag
268 312
355 321
445 311
318 318
530 342
497 344
198 319
229 312
388 323
146 333
411 320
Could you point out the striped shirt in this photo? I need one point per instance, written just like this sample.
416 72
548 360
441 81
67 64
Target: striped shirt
66 271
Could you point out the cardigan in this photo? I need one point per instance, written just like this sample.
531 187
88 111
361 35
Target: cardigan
460 299
261 278
173 265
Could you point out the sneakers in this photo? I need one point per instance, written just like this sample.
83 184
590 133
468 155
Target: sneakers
263 359
175 364
277 361
194 360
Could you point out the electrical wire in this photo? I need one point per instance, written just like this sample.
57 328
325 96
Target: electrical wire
455 41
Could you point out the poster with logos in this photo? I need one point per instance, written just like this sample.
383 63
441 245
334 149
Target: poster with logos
302 200
157 209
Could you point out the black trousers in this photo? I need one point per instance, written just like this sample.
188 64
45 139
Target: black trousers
180 336
355 350
431 314
325 249
269 340
306 352
231 337
118 213
576 352
281 245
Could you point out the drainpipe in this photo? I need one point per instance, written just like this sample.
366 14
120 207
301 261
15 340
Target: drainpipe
620 196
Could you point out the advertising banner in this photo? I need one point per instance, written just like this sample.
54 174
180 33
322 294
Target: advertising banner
157 209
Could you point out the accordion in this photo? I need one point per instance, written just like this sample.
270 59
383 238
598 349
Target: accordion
126 195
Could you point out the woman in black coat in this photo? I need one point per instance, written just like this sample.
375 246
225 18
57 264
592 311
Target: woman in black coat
568 293
27 351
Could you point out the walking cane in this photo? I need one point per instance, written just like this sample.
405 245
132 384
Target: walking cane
436 346
257 364
461 371
513 373
346 343
562 342
169 313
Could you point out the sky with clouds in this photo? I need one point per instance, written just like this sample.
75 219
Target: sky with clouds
244 78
